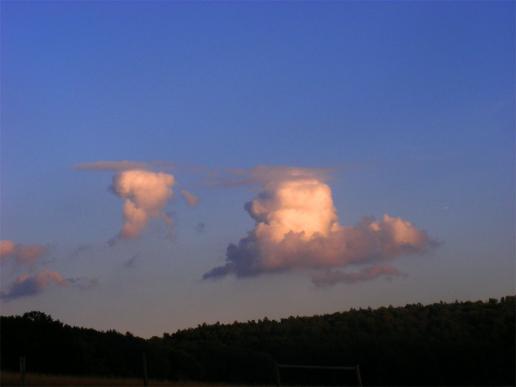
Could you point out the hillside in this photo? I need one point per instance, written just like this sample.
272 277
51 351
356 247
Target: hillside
440 344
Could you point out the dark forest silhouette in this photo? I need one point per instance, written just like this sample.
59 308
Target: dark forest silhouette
456 343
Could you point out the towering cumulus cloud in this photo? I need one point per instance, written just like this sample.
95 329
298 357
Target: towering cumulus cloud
145 195
296 226
144 191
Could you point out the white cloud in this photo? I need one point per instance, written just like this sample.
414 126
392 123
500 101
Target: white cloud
145 196
296 226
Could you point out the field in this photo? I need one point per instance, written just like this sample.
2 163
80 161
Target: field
14 379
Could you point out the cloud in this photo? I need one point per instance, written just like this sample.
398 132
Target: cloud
79 250
131 261
263 174
31 285
22 254
296 226
7 248
190 198
83 283
145 195
332 277
145 190
122 165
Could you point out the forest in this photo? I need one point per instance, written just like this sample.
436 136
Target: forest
459 343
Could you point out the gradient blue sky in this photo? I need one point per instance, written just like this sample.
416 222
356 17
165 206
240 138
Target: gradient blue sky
411 103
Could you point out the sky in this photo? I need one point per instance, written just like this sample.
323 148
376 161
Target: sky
166 164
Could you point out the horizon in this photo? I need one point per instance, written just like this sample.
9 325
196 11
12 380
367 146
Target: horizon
265 318
166 164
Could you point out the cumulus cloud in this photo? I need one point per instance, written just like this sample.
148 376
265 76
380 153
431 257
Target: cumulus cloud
27 285
21 253
190 198
145 195
296 226
145 190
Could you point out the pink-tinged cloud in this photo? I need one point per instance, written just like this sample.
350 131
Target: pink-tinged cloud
30 285
145 196
190 198
20 253
122 165
296 226
7 249
332 277
27 285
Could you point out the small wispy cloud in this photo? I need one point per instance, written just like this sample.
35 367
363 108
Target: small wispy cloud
130 263
83 283
200 227
82 249
189 198
125 165
262 174
122 165
22 254
27 285
332 277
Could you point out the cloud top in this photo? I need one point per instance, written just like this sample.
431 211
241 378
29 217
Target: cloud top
300 206
145 195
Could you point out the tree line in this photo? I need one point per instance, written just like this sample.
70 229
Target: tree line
439 344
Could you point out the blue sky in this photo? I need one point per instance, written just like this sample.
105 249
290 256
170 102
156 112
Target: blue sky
411 104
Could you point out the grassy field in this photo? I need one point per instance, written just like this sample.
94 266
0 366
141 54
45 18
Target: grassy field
14 379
